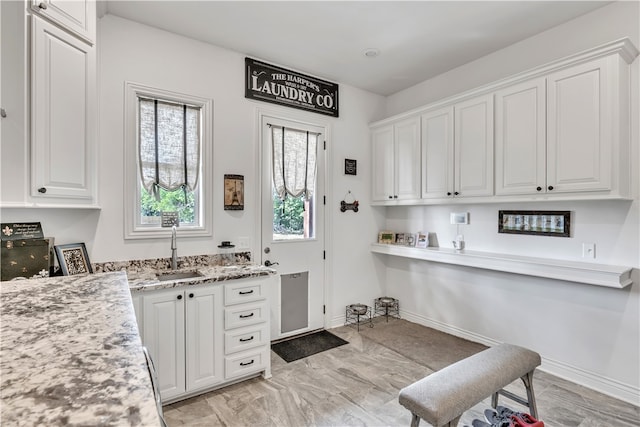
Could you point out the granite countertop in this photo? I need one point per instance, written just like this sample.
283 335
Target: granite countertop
70 354
147 280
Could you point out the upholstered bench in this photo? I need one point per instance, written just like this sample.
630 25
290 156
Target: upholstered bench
443 396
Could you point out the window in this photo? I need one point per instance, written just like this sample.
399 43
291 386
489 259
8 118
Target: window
168 165
293 163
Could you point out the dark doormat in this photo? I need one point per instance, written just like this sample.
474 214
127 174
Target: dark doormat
307 345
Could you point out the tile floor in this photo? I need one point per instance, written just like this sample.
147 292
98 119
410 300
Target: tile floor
357 385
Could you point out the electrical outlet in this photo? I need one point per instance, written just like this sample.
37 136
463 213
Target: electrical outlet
589 250
243 243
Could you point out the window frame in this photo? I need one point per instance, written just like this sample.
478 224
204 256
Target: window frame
132 184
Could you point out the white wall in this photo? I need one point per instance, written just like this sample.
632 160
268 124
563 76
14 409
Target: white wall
588 334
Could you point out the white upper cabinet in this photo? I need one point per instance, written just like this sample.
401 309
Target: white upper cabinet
437 153
75 16
457 150
562 132
580 132
473 147
396 161
63 105
520 138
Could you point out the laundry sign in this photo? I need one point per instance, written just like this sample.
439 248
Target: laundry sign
270 83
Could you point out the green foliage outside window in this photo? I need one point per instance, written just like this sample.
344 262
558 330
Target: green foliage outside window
170 201
291 220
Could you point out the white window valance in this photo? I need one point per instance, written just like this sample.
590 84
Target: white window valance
294 159
169 145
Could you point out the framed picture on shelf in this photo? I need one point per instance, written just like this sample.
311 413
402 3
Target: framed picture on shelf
388 237
422 240
73 259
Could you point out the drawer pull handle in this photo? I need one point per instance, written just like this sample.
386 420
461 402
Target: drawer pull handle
246 292
244 316
246 364
246 339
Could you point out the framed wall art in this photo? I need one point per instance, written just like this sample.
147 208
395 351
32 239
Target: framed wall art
233 192
541 223
73 259
386 237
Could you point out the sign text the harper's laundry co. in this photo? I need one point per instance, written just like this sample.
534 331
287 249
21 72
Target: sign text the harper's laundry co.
270 83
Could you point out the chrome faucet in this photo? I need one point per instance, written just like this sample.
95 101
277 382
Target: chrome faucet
174 249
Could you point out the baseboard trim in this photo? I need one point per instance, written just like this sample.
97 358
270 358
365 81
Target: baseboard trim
597 382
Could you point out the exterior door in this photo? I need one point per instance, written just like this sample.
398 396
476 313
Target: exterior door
293 233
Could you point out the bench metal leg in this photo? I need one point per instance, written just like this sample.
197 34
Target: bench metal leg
415 420
528 384
494 400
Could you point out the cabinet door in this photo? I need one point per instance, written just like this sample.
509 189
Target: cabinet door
62 120
437 153
521 139
382 162
136 299
204 329
579 128
77 16
407 159
164 337
474 147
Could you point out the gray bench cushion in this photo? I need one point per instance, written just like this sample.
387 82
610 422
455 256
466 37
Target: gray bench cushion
447 393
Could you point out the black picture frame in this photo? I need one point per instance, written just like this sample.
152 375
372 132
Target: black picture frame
539 223
73 259
350 167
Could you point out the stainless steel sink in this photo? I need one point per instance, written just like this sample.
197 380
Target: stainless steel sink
178 275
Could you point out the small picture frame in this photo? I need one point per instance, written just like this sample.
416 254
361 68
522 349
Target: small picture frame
234 192
388 237
350 167
73 259
422 240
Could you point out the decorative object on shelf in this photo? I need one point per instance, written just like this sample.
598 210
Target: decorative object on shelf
350 167
541 223
21 231
458 218
346 206
386 306
386 237
226 252
233 192
357 314
405 239
422 240
73 259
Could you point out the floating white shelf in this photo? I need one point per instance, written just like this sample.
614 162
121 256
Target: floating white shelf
612 276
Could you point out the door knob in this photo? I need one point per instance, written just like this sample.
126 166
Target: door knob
268 263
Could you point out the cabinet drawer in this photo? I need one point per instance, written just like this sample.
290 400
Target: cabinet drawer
245 339
246 363
244 291
245 315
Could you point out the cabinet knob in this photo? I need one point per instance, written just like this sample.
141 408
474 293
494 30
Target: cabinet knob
42 190
539 188
395 196
191 295
550 187
455 193
391 197
179 296
42 6
448 193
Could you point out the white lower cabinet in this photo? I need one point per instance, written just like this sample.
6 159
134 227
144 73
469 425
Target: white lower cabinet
201 337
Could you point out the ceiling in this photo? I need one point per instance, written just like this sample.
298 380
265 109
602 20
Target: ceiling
416 39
